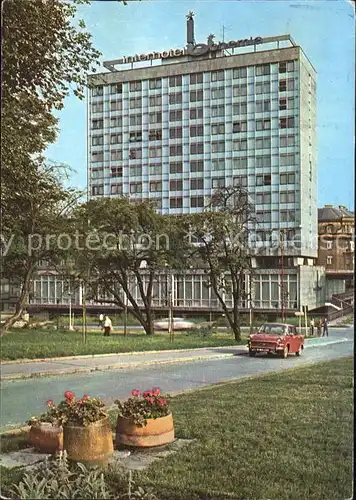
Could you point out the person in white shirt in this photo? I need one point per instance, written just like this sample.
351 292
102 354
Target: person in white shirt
101 320
107 326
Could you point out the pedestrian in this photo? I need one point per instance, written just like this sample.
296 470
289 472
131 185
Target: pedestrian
318 326
325 327
101 320
107 326
312 326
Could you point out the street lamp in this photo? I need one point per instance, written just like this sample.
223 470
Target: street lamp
70 311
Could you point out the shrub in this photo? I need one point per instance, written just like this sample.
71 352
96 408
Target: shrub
142 407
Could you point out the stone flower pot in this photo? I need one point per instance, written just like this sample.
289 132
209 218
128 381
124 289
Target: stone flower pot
92 444
157 432
46 437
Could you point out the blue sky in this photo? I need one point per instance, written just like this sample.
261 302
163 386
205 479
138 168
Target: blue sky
324 29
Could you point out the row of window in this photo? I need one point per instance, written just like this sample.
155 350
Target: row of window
196 78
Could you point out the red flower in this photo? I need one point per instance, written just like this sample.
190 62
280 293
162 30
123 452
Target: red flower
69 395
135 392
147 394
150 401
161 401
50 403
85 397
156 391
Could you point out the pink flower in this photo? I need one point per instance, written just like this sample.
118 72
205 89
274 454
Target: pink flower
161 401
156 391
85 397
69 395
147 394
135 393
150 400
50 403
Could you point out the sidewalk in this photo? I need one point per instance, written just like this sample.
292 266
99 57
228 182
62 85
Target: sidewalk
85 364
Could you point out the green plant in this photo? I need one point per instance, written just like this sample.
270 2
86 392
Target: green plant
141 407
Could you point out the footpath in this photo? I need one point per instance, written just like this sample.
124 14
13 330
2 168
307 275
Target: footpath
22 369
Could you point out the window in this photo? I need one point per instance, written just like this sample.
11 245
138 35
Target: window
97 91
155 118
196 95
287 215
155 152
135 102
116 121
262 88
218 93
286 122
286 84
176 185
97 156
97 107
97 140
197 201
155 186
263 216
216 76
263 124
135 86
115 154
116 88
239 145
239 73
239 127
155 100
176 167
286 66
96 173
217 182
155 135
116 189
286 140
329 245
197 184
115 138
135 171
264 236
175 81
287 160
135 136
135 154
263 69
115 105
175 150
197 148
155 169
176 98
197 166
286 103
175 133
97 190
218 147
196 130
96 124
155 83
262 106
218 110
135 119
176 202
329 260
263 198
196 113
135 187
240 180
287 197
263 161
239 162
287 179
196 78
239 108
175 115
239 90
218 164
263 180
263 143
115 171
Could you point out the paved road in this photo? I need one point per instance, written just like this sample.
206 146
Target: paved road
21 399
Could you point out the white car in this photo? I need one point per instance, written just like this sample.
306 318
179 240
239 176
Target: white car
178 324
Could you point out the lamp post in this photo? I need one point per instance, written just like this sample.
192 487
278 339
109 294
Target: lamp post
282 231
125 316
70 311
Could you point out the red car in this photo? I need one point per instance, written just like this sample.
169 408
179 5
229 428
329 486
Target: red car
276 338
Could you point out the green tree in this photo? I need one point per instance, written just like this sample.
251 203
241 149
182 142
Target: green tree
221 248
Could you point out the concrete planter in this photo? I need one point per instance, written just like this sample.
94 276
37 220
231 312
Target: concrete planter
92 444
157 432
46 438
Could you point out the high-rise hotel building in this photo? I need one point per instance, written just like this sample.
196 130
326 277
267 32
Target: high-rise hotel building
211 115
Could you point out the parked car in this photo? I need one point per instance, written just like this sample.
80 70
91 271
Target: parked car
276 338
178 324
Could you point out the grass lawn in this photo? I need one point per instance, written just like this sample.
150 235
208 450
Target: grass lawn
282 436
21 344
